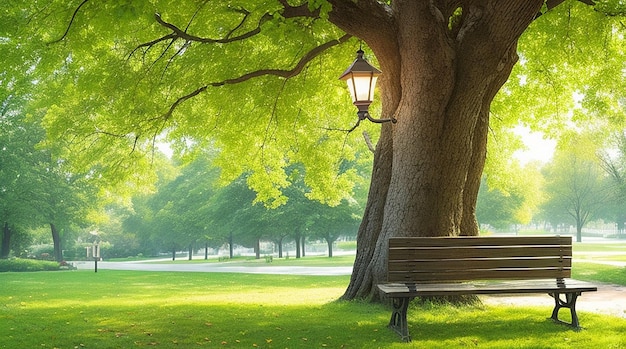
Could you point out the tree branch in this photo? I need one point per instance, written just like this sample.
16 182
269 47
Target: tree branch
287 12
181 34
177 33
180 100
69 25
283 73
550 4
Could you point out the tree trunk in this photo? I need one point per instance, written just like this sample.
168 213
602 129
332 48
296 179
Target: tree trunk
5 248
56 240
441 72
190 257
280 247
297 240
329 242
257 248
206 250
303 241
230 246
173 253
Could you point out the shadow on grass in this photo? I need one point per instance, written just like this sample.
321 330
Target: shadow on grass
336 325
509 327
332 325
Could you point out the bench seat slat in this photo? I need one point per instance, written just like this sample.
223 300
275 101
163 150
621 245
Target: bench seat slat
477 287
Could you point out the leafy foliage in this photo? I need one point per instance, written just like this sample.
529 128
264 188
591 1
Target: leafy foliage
570 75
21 265
168 72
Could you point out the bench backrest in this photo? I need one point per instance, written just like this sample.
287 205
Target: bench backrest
443 259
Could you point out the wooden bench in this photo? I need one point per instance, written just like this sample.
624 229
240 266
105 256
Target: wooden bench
453 266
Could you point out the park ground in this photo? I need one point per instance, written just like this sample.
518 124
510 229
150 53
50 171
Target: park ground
610 299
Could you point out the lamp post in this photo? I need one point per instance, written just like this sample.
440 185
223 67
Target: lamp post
95 252
361 79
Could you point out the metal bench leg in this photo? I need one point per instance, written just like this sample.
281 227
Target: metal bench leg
398 320
569 302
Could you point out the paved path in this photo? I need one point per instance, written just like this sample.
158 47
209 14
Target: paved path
610 299
216 268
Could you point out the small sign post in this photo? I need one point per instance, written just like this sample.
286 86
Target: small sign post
95 252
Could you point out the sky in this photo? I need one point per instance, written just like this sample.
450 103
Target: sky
538 147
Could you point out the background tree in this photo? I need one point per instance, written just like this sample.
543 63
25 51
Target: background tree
497 208
228 214
331 223
575 183
613 161
510 197
180 207
20 181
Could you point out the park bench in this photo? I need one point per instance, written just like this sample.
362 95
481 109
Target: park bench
456 266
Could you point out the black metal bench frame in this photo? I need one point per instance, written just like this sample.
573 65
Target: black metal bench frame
453 266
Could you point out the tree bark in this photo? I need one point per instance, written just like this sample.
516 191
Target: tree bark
5 248
56 240
297 241
280 247
441 71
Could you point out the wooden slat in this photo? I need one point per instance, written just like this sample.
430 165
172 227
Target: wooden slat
518 286
478 258
483 240
477 251
463 264
481 274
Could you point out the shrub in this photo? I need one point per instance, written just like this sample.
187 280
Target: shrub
19 265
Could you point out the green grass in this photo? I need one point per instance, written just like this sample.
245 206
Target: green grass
121 309
618 247
599 272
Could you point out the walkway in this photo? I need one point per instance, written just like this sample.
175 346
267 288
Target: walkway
216 268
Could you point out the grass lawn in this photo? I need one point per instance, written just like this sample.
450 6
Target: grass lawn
128 309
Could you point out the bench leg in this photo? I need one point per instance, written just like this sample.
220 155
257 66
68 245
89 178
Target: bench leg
570 303
398 320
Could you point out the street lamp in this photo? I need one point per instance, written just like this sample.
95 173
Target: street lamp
361 79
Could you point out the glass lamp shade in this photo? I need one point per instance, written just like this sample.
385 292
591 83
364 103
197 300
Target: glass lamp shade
361 78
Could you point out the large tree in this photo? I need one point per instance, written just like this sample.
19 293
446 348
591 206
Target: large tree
247 78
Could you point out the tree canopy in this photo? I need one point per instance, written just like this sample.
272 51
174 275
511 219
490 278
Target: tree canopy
247 77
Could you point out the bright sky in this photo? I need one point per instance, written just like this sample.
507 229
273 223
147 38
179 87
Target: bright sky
539 148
